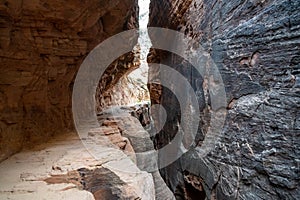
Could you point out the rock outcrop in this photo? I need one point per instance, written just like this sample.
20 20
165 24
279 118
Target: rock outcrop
139 146
255 45
42 44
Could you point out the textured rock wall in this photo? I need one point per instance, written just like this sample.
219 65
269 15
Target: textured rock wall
117 87
110 90
126 91
42 44
256 47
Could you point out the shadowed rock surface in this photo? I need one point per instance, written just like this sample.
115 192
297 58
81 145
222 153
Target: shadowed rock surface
255 45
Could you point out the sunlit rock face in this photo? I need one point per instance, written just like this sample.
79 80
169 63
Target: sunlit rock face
42 45
113 86
255 45
129 72
127 91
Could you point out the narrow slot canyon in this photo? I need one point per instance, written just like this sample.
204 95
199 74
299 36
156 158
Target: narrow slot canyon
150 99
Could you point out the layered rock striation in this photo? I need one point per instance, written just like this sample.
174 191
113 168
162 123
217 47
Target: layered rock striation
42 44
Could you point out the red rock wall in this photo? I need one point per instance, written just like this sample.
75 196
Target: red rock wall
42 44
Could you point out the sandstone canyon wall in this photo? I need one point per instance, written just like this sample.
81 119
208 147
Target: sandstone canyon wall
256 46
42 44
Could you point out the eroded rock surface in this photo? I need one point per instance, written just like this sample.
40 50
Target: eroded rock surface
127 91
42 44
65 169
139 140
255 45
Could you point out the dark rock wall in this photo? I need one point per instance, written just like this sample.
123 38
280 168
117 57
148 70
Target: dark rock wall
42 44
256 47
